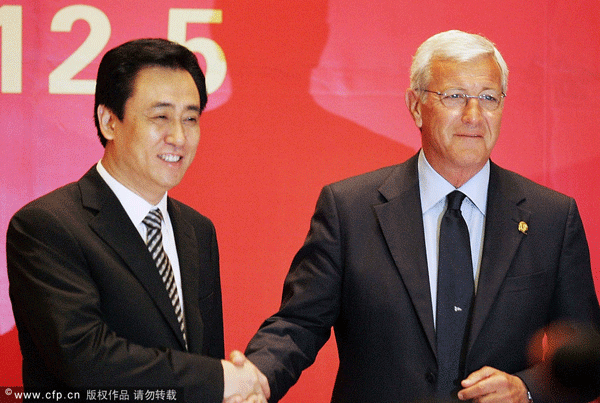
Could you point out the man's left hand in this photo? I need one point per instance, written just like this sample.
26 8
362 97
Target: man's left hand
489 385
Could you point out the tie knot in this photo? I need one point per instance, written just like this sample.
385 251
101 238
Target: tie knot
153 219
455 199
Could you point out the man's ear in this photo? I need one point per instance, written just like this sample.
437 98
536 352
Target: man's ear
107 120
413 102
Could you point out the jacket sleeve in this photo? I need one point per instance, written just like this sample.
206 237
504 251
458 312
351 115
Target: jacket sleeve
288 342
575 307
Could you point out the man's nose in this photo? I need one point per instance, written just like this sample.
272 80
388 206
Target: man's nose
176 135
472 110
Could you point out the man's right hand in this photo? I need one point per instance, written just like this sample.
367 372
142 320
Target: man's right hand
244 383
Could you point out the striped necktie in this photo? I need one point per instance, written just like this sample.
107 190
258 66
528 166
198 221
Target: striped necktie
154 242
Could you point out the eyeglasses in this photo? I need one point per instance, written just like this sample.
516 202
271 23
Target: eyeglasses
490 101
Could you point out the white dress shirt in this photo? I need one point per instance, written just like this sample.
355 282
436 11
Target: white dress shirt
137 208
433 190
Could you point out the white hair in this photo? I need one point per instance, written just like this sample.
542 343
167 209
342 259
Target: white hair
452 45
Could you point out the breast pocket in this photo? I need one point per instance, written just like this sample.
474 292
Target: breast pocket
524 282
207 303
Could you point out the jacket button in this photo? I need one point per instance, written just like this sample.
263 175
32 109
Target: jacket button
431 377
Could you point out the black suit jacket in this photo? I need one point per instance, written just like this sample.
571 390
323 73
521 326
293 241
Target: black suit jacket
90 307
363 270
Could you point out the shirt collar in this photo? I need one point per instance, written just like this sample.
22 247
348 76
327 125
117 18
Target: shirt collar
136 207
433 187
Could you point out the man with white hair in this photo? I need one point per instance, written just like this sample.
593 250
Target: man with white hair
435 273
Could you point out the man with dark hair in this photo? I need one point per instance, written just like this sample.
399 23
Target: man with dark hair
120 65
113 283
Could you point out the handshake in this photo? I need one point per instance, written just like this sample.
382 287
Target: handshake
244 383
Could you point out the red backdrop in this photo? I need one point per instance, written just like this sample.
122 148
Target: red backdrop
304 92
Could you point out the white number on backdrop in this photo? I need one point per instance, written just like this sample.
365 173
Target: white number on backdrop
11 23
62 81
216 66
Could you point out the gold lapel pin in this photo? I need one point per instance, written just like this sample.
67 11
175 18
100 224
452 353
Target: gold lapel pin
523 227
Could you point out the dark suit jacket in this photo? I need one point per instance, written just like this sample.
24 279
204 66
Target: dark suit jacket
363 270
90 307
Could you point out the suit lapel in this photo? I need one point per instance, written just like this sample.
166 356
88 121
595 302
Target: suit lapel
113 226
401 222
501 241
189 266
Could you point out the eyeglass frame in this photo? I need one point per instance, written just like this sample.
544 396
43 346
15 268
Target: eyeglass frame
465 98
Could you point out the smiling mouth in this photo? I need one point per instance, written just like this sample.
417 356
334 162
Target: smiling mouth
170 157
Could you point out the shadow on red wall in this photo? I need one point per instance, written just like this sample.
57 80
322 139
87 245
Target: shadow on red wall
263 158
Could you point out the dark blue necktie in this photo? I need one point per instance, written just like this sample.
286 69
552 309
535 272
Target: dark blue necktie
455 291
